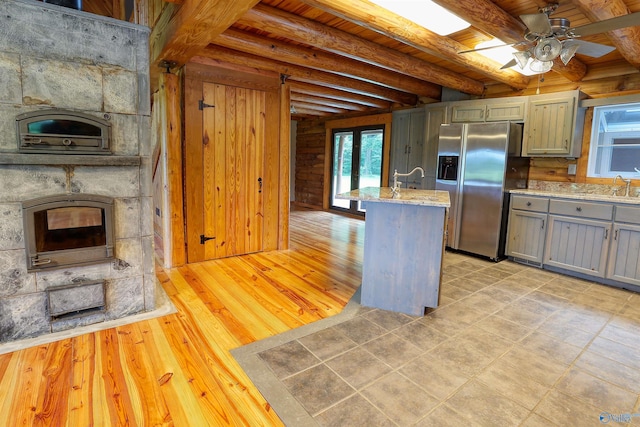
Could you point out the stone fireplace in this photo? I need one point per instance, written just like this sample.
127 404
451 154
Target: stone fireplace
56 59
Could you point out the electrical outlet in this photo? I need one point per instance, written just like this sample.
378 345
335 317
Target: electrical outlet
572 170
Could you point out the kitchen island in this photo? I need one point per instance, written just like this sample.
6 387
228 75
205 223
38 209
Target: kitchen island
403 247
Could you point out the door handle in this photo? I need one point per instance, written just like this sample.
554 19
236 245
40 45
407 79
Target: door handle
260 185
204 238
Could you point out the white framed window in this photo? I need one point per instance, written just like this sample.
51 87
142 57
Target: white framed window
615 142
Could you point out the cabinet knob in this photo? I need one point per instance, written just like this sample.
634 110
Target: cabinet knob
528 203
579 209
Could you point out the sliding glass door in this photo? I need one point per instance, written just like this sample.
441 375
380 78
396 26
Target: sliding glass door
357 163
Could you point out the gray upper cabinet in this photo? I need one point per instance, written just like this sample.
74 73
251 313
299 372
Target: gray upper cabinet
489 110
407 142
554 125
624 257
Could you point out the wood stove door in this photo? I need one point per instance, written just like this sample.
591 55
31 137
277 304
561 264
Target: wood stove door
224 186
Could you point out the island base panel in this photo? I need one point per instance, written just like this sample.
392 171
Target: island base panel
402 257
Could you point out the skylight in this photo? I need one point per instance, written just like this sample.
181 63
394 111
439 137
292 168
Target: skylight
426 14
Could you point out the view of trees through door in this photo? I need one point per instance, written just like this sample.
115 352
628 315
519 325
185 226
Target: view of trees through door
357 163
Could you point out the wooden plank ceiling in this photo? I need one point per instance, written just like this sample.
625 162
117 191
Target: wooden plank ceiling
353 57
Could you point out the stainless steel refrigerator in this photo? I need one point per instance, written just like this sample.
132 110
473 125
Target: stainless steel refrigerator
478 163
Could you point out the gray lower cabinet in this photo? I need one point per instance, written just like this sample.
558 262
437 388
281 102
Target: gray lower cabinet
593 238
624 256
578 236
578 244
527 228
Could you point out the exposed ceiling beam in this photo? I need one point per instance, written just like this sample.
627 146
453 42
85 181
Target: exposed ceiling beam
300 112
298 98
184 30
324 61
376 18
626 40
316 90
307 106
217 53
312 33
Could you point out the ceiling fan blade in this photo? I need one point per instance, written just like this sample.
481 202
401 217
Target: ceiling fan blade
488 47
537 23
516 44
629 20
595 50
509 64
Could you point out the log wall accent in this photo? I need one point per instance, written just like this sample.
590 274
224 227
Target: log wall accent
310 158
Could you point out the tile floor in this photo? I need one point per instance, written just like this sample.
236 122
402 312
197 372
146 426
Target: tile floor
510 345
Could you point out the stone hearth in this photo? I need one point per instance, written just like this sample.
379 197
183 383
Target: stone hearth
55 57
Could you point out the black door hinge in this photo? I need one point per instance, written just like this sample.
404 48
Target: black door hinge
204 238
202 105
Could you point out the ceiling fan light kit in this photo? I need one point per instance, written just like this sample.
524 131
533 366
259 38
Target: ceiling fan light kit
554 37
568 51
540 66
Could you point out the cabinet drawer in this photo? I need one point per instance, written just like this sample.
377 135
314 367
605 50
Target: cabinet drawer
627 214
581 209
526 203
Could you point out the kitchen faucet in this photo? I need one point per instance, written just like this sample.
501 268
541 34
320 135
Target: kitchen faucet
396 184
626 181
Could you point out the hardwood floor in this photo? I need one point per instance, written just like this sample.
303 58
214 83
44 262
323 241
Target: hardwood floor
177 369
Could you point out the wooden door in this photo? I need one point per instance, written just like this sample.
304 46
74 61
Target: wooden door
226 218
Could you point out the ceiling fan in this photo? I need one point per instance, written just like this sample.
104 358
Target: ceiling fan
549 38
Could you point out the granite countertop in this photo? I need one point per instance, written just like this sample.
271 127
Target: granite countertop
580 196
405 196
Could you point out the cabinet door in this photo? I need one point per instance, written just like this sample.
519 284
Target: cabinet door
466 112
577 244
414 152
435 115
399 143
549 128
502 111
526 235
624 262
